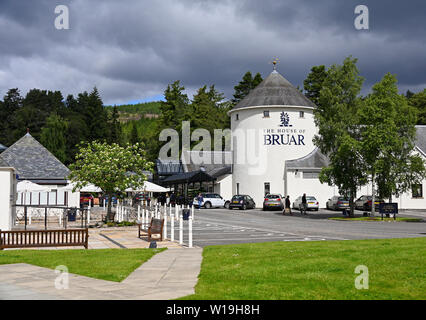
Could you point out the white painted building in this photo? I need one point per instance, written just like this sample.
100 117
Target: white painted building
7 197
272 149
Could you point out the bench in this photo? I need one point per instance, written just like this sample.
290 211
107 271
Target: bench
44 238
155 227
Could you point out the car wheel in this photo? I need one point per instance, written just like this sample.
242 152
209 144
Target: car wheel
244 207
207 205
226 205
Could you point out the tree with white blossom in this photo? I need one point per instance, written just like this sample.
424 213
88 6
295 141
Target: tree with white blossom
110 167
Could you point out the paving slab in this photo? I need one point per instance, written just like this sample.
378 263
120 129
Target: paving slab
170 274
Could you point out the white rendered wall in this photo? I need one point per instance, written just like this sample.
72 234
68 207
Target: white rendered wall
223 186
7 198
256 163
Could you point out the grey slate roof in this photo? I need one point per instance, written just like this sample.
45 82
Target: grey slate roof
275 90
421 138
314 160
33 161
168 167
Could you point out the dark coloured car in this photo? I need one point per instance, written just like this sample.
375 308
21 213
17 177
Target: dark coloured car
273 201
337 203
139 197
364 203
242 202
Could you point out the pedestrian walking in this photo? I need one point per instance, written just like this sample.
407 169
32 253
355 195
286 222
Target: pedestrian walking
287 208
200 200
304 206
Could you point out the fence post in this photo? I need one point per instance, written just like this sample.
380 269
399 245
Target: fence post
192 212
190 232
104 203
30 216
172 227
165 227
88 211
139 212
180 228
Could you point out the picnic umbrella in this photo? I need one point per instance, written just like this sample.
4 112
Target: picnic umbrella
148 187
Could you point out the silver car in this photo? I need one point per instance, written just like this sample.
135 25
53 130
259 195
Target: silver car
273 201
337 203
311 202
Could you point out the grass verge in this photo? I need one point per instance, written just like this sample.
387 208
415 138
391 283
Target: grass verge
105 264
313 270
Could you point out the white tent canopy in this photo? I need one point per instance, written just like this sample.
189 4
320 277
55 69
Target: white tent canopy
148 187
28 186
89 188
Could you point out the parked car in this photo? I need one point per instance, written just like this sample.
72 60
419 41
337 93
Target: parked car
364 203
139 197
337 203
273 200
85 199
242 202
311 201
211 200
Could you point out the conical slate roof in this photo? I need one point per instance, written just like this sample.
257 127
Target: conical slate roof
275 90
33 161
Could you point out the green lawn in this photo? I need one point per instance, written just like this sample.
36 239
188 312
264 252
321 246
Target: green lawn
106 264
377 219
313 270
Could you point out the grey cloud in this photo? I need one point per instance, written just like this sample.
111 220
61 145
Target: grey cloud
132 49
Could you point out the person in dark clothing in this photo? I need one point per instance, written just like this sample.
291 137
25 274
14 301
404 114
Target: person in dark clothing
173 199
304 204
287 205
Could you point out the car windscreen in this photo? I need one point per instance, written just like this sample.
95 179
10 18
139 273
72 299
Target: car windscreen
311 198
343 199
238 198
272 196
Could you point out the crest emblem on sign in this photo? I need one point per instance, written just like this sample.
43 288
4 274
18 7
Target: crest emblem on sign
285 120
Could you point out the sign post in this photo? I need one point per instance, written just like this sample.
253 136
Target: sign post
388 208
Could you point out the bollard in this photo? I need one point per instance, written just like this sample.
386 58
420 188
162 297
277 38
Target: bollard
156 210
176 212
29 216
180 229
165 209
190 232
139 212
88 215
192 212
172 227
104 203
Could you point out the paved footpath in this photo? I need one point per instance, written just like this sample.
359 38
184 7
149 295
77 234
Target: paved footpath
170 274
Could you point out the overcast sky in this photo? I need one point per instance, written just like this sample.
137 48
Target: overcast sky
132 49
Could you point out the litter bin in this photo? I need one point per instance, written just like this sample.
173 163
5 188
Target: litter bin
185 214
72 213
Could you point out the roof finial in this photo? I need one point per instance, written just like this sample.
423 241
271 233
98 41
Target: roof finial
275 62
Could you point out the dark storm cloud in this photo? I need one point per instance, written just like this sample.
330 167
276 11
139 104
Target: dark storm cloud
132 49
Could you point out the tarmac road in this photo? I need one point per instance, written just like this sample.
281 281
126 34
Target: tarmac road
223 226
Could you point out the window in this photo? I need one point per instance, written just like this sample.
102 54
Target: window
236 117
301 114
266 114
310 175
267 188
417 191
